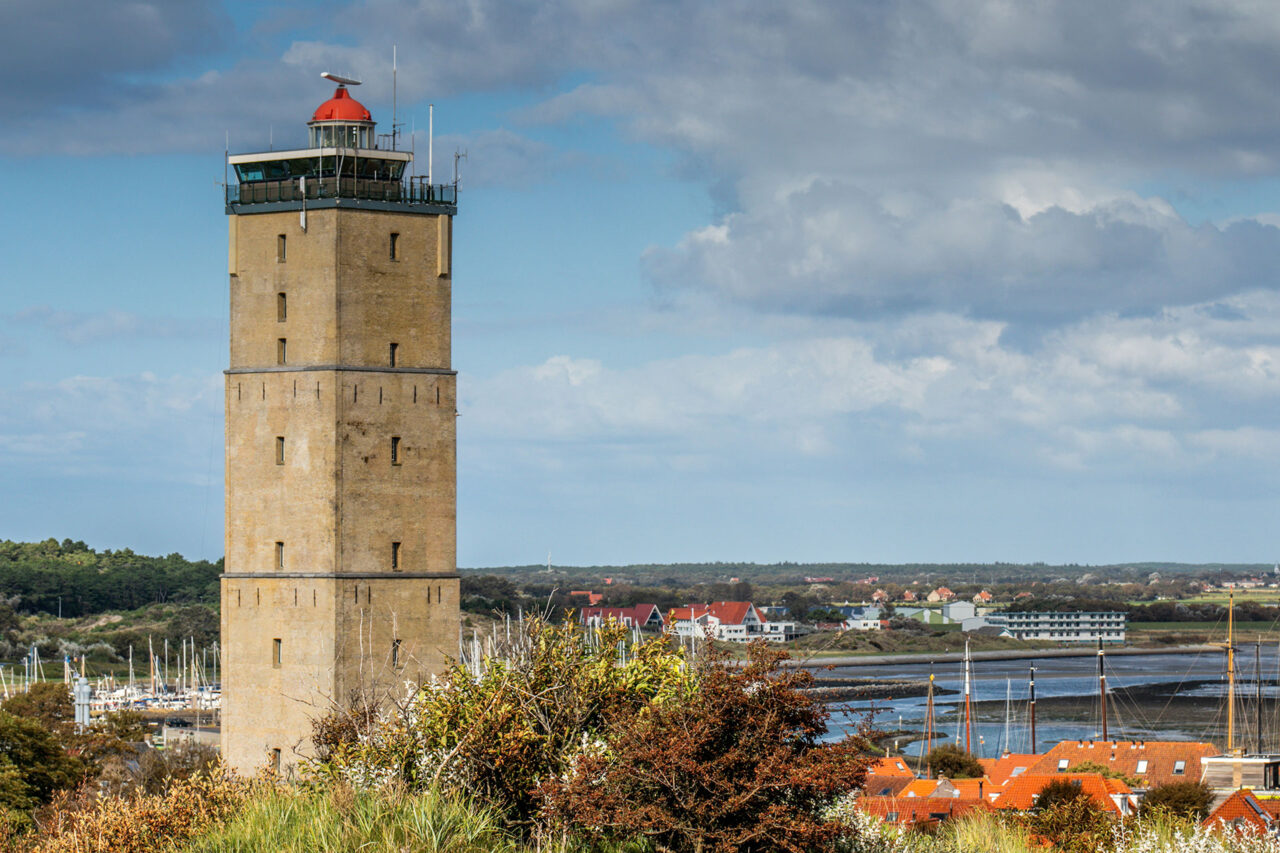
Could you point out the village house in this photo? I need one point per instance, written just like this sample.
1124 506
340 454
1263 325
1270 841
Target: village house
918 812
940 594
1245 810
646 617
1111 795
1152 762
863 619
728 621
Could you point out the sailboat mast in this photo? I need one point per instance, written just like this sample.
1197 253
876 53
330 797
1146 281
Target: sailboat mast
1102 688
968 704
1033 710
1257 686
1231 674
928 727
1008 711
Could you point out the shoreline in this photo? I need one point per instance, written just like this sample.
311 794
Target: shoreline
1010 654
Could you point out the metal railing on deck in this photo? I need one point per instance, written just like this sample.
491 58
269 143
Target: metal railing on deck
411 191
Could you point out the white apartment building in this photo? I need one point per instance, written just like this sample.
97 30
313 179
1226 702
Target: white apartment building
1062 627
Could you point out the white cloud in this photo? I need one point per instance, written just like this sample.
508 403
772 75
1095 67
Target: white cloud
148 426
1174 392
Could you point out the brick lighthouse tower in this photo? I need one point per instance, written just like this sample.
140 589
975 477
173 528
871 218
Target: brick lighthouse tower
341 578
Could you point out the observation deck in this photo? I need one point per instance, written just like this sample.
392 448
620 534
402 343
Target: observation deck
318 178
341 167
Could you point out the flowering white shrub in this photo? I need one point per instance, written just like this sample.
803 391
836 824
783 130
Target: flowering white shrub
989 834
1158 837
868 834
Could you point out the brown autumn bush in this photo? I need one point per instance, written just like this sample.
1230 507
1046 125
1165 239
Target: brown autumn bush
76 822
735 765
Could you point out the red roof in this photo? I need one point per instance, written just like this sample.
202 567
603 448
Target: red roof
342 107
1021 791
1154 762
890 767
639 615
912 810
727 612
1008 766
1242 809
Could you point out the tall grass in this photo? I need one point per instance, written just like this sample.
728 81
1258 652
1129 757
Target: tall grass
337 819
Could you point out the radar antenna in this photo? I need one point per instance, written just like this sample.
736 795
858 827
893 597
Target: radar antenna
341 81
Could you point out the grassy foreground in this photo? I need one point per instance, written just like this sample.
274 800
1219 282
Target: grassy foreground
337 820
221 816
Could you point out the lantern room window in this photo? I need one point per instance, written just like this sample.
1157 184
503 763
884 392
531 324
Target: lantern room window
340 136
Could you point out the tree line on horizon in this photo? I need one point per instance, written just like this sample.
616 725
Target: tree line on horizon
76 580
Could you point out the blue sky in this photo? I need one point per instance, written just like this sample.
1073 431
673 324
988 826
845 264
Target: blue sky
910 281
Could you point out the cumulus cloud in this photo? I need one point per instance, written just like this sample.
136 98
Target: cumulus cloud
833 248
1173 392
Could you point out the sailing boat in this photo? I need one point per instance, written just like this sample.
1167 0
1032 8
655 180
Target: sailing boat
1233 769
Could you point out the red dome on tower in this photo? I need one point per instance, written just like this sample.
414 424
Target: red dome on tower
342 107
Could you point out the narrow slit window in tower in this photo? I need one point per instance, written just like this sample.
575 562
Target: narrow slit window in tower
394 347
282 351
395 240
395 652
279 555
275 761
282 308
395 556
395 450
279 449
277 652
281 248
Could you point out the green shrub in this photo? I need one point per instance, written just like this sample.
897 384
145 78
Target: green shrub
496 733
951 761
1181 799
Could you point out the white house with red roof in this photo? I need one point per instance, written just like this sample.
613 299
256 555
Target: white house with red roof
730 621
646 617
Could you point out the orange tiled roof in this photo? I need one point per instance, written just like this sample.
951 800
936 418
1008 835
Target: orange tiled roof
1125 756
890 767
976 789
1001 770
1021 791
920 788
1240 809
907 812
885 786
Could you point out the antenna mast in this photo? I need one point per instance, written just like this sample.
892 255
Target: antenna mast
394 126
